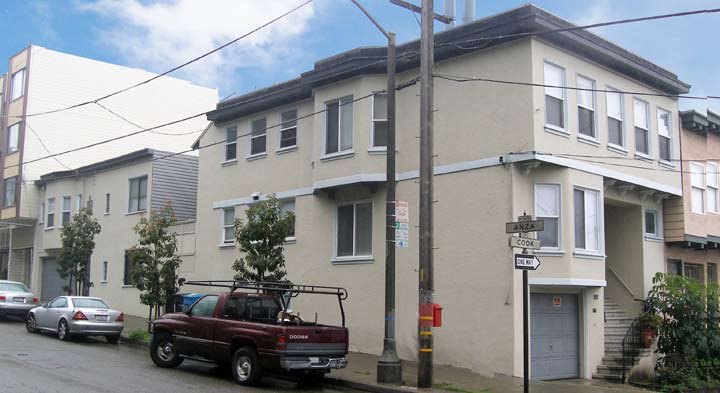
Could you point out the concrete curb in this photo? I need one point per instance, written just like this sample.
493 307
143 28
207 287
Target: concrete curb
135 343
344 383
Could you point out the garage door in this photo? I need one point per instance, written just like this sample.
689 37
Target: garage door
554 336
52 284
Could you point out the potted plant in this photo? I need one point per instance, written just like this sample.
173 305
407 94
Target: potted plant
648 324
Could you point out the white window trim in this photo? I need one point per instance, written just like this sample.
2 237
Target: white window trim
250 156
354 258
595 137
17 138
22 84
105 267
41 218
703 188
62 209
550 127
283 128
291 239
373 148
51 211
639 154
227 143
107 204
559 248
340 153
623 121
670 139
657 236
224 243
583 252
78 202
716 173
147 195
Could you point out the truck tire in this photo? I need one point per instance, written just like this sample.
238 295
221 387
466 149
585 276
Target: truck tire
162 351
245 368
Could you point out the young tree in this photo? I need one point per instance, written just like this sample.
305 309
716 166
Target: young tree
78 243
261 238
154 260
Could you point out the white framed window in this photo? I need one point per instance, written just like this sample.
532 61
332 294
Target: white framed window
652 223
547 208
50 213
231 143
616 116
41 216
89 204
288 206
137 198
711 180
107 203
78 202
379 121
554 96
105 271
18 85
587 220
65 213
354 230
288 129
9 192
339 125
586 107
228 225
697 187
258 136
641 120
13 135
664 135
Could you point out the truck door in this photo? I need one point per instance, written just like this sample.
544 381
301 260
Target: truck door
199 338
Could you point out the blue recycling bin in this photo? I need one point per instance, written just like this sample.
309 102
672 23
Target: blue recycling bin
190 298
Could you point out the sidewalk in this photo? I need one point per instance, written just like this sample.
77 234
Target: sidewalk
360 375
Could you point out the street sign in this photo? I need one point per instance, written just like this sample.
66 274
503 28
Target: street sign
524 226
521 242
402 211
526 262
401 243
401 225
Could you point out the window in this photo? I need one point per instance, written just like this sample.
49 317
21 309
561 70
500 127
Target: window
90 204
78 202
711 273
674 267
205 307
258 136
65 216
288 129
288 206
230 143
88 303
380 120
18 85
554 96
711 177
9 192
616 131
339 125
587 220
261 309
652 224
664 135
51 212
547 208
694 271
104 271
60 302
642 127
697 187
138 194
586 107
107 203
127 269
228 225
13 132
354 230
41 216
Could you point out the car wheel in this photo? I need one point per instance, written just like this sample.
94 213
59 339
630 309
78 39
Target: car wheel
246 369
163 352
31 324
112 339
63 332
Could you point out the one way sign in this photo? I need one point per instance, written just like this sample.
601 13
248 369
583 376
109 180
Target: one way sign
526 262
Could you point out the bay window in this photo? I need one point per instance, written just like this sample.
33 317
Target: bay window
258 136
586 107
339 125
615 118
354 230
554 96
380 122
642 127
288 129
711 178
587 220
697 187
664 135
547 208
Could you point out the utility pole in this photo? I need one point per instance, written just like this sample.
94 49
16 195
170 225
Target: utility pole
389 366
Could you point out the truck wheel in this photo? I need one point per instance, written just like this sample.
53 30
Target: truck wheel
246 369
162 351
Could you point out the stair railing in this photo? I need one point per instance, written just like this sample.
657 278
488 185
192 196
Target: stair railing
632 343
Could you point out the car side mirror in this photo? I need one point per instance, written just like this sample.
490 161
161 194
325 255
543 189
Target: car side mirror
44 305
185 308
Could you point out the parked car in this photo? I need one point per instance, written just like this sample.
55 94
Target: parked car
15 299
69 316
252 332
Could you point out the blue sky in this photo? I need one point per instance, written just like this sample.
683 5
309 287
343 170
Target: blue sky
156 35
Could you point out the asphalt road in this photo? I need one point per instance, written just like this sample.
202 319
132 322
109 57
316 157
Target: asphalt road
41 363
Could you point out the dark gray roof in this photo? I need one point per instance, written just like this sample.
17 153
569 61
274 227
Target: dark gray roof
521 20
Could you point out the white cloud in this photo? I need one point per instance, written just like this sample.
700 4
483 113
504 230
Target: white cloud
159 35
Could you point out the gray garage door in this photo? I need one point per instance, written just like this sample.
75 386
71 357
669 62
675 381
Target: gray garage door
52 284
553 336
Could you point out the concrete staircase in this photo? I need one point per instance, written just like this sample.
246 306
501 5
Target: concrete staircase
616 326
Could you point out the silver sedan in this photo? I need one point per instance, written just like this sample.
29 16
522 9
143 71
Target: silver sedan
15 299
69 316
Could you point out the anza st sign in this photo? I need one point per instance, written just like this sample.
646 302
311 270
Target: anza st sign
524 226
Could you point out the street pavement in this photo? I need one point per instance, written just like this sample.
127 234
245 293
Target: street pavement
40 363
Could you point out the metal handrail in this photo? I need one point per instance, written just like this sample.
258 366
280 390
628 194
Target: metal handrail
630 346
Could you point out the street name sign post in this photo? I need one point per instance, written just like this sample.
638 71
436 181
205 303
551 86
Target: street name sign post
521 242
526 262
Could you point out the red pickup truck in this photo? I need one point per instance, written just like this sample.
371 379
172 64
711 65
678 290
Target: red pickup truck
253 331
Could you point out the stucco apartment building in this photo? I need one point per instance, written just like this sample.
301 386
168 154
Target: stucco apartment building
119 191
691 223
38 83
501 150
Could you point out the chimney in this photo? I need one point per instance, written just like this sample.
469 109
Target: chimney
450 13
468 11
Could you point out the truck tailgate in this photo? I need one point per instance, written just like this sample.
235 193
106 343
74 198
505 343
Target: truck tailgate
316 340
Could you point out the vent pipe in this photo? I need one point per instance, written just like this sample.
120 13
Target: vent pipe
468 11
450 13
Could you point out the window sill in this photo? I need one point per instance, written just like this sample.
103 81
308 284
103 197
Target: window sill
134 213
653 238
229 162
106 214
49 228
290 240
556 130
103 282
352 260
377 150
226 245
617 149
643 157
550 252
588 140
666 164
257 156
583 254
287 149
337 156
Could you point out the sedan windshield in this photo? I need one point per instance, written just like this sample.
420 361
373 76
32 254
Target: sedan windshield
13 287
89 303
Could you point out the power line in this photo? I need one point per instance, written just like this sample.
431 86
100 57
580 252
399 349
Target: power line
45 146
223 46
125 119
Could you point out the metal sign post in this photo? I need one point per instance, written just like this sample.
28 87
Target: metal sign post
525 262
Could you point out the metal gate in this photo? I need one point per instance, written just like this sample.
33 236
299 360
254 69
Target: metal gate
554 347
52 284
